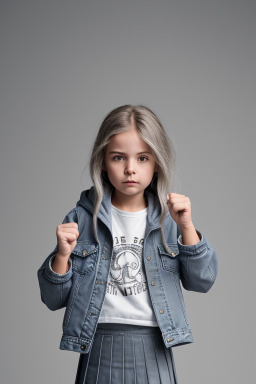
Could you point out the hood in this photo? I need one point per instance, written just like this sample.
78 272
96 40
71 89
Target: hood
87 199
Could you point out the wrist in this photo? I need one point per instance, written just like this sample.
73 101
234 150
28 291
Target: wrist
60 264
187 228
189 235
62 257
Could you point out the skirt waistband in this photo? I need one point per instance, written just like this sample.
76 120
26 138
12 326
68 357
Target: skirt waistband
118 328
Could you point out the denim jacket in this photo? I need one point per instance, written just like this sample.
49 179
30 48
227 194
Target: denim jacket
82 289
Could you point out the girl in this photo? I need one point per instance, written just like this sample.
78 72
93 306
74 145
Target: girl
121 254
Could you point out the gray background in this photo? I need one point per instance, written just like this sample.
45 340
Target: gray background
64 66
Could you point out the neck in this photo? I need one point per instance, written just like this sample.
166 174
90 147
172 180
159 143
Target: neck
129 203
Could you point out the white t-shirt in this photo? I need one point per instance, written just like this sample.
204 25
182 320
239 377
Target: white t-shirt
127 298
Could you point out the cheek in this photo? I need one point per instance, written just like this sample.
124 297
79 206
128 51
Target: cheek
112 172
150 171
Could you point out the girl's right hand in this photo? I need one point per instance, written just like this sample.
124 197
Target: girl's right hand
67 235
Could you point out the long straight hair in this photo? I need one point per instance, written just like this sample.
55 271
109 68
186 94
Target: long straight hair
150 130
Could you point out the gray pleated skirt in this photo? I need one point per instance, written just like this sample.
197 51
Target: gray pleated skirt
127 354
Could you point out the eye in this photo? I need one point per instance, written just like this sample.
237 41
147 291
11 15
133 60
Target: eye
143 158
117 158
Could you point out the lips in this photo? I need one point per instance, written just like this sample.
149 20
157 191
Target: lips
130 182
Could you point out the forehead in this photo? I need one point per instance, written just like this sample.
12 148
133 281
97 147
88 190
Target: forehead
128 141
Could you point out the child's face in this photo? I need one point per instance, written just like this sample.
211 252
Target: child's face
128 157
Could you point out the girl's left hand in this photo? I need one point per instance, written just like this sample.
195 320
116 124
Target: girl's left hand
180 210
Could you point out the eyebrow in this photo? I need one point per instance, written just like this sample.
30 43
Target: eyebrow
123 153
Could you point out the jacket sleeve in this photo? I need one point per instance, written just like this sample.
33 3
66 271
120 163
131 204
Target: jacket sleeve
55 287
199 266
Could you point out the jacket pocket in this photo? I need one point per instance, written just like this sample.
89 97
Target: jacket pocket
170 262
84 256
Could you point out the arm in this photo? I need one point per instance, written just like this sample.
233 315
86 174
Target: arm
55 287
198 258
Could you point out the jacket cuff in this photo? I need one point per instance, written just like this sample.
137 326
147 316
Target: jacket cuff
57 277
192 249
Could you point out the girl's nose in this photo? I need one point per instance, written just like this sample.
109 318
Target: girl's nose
130 167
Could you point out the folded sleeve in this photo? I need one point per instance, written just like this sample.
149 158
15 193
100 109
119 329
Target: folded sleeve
199 265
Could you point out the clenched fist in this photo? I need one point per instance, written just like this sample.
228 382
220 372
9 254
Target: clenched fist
180 210
67 235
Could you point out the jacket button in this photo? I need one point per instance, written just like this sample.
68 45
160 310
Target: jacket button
161 311
82 347
170 339
153 283
84 252
148 258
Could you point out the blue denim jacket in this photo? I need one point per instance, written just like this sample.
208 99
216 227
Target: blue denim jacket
82 289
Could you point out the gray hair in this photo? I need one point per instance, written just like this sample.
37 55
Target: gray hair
152 132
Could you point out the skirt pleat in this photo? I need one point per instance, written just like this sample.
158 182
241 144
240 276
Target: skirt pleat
140 365
127 354
150 360
129 371
171 366
117 371
162 364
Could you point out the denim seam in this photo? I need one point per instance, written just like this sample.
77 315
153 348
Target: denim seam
160 283
178 332
98 264
211 273
180 298
57 280
71 305
194 252
186 282
76 340
61 292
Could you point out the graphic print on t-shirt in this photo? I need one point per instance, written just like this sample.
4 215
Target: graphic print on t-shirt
127 276
127 298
